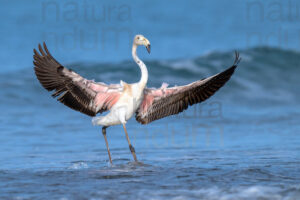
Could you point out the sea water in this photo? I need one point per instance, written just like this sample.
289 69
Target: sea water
242 143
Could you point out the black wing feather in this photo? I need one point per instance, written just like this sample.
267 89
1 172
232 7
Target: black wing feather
70 88
186 96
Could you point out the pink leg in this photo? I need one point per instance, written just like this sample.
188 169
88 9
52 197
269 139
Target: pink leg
104 134
130 146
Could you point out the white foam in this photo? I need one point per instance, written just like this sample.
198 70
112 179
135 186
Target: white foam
217 193
79 165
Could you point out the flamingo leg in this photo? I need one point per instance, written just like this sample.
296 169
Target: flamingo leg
132 150
104 134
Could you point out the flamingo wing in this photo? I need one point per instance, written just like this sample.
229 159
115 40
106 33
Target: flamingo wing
73 90
162 102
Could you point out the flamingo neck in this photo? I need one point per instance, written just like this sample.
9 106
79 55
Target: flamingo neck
144 78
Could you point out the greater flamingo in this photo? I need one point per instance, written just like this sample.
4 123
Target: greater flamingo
123 100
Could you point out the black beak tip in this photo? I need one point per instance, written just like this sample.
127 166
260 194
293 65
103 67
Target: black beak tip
148 47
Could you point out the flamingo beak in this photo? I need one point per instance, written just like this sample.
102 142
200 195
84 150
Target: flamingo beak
148 47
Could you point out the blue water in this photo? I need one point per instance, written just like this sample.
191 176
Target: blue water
243 143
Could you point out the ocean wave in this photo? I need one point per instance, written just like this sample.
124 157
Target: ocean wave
264 75
243 193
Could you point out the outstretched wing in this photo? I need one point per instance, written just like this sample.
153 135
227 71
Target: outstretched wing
162 102
72 89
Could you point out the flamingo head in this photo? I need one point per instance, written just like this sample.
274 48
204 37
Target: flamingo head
141 40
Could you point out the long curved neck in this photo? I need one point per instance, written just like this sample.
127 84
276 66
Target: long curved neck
144 78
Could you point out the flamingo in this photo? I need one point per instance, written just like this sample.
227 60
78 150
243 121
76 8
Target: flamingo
123 100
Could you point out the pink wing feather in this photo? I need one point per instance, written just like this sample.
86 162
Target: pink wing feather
72 89
162 102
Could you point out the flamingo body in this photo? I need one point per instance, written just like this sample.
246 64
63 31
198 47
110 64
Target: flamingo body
124 108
